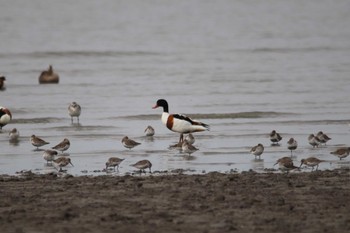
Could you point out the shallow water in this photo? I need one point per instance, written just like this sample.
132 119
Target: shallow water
244 68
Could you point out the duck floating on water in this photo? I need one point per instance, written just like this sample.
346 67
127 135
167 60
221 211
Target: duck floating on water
48 76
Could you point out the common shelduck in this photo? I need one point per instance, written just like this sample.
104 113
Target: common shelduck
179 123
5 116
113 162
48 76
311 162
142 165
257 150
292 144
62 146
74 110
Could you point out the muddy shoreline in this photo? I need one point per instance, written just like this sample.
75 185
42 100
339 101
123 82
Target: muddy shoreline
214 202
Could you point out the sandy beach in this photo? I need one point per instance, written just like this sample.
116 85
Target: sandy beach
214 202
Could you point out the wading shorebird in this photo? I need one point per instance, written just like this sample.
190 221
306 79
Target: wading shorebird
187 148
62 146
62 162
149 131
257 150
142 165
190 139
292 144
14 135
37 142
129 143
74 110
113 162
285 164
49 155
311 162
179 123
323 138
275 137
313 140
341 152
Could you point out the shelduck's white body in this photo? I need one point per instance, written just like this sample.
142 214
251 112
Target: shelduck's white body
179 123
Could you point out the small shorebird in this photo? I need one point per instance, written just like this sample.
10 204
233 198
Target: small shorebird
257 150
2 84
113 162
323 138
48 76
285 164
74 110
142 165
179 123
14 135
190 139
149 131
62 146
292 144
313 140
38 142
5 116
341 152
49 155
311 162
129 143
62 162
275 137
188 148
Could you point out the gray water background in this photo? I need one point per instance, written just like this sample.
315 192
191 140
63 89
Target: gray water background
243 67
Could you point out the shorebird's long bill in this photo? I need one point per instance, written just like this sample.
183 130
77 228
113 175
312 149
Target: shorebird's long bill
71 164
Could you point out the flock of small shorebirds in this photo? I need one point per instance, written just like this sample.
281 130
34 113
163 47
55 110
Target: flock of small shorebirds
174 122
74 110
286 163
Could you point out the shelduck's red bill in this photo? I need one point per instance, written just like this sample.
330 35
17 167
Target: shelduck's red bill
155 106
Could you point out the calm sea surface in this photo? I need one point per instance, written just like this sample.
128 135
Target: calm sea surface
243 67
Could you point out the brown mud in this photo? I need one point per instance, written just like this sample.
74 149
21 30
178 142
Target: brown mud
248 202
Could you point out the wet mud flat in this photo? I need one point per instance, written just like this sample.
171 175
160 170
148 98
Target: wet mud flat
214 202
